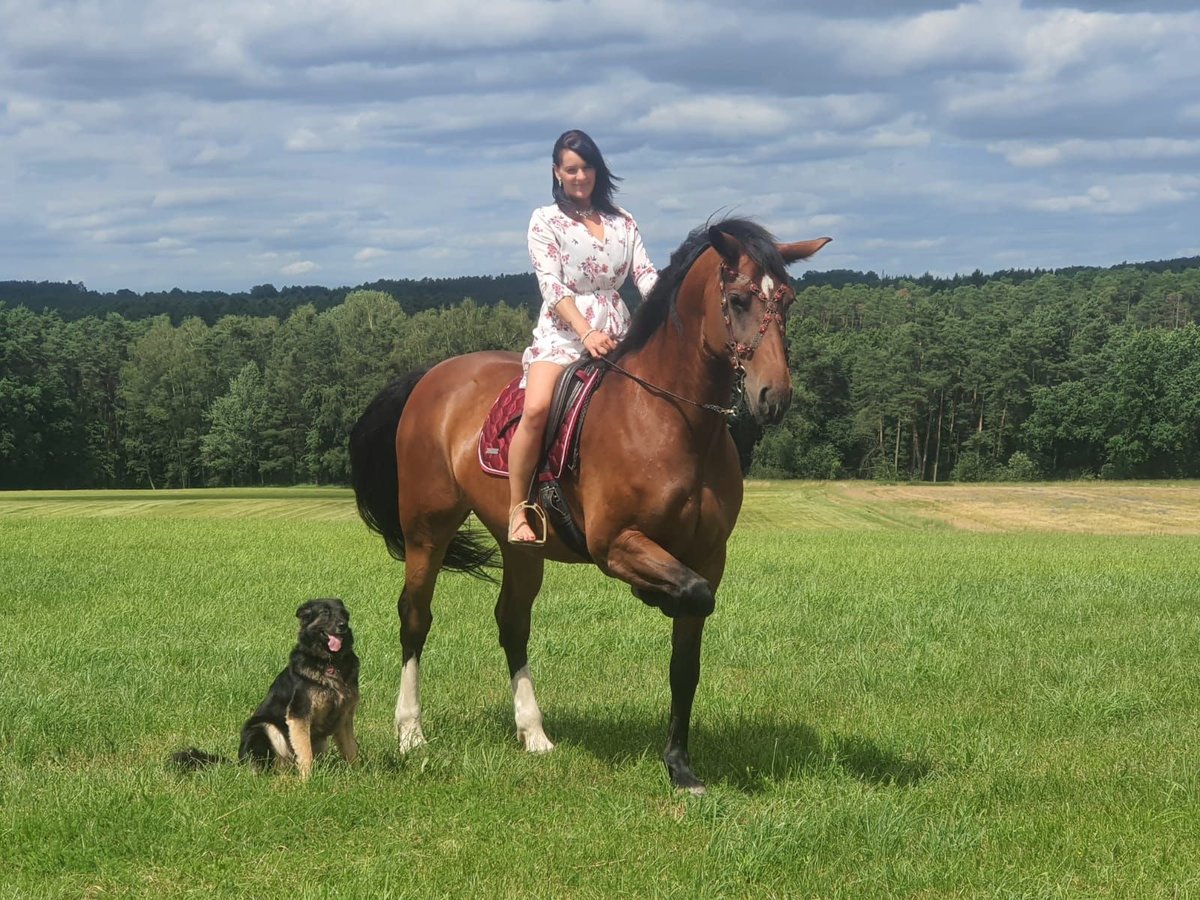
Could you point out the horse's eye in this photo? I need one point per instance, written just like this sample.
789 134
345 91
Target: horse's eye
740 302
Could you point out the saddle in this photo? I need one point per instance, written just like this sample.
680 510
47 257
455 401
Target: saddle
560 447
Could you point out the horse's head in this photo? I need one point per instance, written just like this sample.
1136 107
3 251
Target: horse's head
752 295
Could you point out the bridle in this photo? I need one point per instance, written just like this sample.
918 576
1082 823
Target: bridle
739 352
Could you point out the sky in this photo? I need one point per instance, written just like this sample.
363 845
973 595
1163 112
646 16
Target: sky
226 144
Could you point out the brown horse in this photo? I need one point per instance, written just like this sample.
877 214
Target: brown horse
659 484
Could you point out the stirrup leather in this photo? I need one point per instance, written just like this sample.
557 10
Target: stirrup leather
521 509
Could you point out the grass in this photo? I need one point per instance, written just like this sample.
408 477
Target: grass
890 706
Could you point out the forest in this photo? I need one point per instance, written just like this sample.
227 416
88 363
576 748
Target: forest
1019 375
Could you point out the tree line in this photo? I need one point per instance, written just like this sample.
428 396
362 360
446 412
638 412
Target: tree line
1075 373
109 401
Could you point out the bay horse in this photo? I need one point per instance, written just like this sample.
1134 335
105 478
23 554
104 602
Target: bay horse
658 487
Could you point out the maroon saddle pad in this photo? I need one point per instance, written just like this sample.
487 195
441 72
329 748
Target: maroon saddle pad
502 418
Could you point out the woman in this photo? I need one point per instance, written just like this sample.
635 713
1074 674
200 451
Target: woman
583 248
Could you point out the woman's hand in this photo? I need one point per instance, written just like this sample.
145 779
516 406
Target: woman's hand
597 343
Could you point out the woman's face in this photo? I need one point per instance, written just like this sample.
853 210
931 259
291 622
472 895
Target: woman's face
577 177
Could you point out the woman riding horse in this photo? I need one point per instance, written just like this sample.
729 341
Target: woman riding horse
582 248
658 487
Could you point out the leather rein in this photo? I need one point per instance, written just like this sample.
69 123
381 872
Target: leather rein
738 352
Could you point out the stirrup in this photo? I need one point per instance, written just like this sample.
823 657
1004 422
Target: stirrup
522 509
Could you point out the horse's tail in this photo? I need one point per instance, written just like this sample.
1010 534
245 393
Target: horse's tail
373 461
377 483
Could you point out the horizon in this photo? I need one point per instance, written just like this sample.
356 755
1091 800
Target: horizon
1190 261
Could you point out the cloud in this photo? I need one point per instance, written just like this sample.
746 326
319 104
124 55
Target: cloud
220 145
170 245
304 267
1150 148
1124 195
172 198
368 254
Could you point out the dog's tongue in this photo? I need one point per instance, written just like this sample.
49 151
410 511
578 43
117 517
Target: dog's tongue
335 643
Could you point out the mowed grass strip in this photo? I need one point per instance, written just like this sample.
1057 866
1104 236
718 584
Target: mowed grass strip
304 504
887 708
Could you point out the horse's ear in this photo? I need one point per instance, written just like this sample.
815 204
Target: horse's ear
801 249
730 248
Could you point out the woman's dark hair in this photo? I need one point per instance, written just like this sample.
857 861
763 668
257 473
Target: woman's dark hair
606 181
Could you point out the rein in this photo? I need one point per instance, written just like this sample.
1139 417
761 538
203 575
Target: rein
710 407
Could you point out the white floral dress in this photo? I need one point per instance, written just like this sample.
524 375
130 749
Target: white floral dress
570 262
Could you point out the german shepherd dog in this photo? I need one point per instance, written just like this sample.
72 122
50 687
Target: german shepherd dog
311 700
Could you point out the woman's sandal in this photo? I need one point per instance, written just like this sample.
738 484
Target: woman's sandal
513 521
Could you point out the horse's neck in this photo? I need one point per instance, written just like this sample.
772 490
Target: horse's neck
675 359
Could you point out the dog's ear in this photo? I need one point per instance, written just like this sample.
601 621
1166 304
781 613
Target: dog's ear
307 612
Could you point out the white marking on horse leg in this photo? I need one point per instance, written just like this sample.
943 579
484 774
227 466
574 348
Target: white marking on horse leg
527 714
408 707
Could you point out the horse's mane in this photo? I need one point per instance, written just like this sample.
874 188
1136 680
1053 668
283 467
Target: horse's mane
758 243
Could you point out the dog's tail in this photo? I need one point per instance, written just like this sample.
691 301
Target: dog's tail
193 760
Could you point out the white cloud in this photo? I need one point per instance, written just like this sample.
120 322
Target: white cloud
213 153
171 198
172 246
909 244
1033 155
899 134
724 116
970 36
304 267
1124 196
160 144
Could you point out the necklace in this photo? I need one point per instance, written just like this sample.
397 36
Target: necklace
578 211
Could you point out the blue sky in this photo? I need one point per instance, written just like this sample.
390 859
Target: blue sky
159 144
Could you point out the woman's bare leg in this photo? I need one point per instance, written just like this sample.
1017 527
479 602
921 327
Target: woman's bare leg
527 442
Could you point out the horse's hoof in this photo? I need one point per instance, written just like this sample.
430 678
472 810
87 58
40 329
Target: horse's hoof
535 742
687 783
682 777
409 737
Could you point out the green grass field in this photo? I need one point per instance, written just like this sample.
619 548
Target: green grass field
890 706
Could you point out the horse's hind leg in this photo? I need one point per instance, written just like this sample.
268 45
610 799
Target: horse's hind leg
522 580
421 565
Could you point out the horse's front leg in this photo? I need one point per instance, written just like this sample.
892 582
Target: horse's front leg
658 578
685 675
661 580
